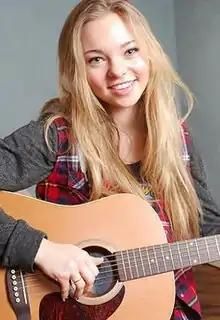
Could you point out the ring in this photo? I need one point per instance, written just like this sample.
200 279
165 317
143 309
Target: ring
77 280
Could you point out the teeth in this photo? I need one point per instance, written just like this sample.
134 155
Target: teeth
123 86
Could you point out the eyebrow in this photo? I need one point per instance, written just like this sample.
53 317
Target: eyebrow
100 51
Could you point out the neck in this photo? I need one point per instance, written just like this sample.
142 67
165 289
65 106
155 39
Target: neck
126 119
131 129
152 260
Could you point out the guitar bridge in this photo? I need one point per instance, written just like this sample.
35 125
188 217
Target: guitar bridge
17 293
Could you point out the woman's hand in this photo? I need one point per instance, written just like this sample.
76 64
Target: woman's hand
65 263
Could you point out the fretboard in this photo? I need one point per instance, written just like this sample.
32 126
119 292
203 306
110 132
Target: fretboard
147 261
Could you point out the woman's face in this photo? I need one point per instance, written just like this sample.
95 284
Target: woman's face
117 72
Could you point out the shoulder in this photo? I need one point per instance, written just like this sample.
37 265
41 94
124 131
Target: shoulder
60 128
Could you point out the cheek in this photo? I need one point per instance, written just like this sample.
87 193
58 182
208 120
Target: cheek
95 80
140 67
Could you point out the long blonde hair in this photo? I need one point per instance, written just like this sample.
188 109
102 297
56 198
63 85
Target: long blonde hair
162 165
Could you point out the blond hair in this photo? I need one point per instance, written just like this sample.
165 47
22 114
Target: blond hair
162 165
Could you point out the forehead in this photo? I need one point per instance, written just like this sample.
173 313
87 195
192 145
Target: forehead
106 32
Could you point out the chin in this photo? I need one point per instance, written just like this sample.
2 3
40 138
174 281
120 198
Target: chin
128 103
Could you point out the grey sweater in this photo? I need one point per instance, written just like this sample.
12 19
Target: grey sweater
26 160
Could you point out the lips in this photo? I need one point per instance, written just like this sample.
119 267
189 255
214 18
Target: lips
122 85
122 89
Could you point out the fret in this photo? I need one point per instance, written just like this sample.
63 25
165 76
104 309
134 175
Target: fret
161 263
171 256
217 245
124 268
134 265
148 261
198 252
177 261
121 269
184 254
193 252
204 250
153 260
140 262
156 258
145 258
207 249
167 256
179 253
188 253
128 266
213 248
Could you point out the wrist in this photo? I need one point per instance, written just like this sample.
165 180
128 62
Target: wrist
41 253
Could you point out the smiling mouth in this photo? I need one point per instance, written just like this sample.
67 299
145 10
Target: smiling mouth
123 85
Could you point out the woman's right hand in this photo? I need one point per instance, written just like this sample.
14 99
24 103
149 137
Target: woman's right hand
65 263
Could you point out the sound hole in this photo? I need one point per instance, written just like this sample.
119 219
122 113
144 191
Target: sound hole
107 276
53 308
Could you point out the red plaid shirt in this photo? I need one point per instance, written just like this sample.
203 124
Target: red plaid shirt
68 185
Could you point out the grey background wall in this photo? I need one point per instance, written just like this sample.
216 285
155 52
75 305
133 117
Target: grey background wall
188 31
197 27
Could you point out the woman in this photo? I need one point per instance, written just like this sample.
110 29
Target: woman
114 128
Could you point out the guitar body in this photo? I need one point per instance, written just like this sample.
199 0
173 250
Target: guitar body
119 222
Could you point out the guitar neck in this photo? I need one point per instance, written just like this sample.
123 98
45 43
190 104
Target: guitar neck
148 261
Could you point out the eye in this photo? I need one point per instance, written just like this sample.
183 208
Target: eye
131 51
95 60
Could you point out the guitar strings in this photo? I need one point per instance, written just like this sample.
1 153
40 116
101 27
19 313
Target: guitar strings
31 278
142 257
145 253
177 245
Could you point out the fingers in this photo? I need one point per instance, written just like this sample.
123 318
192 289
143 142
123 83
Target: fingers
84 278
88 272
64 285
98 261
81 273
78 283
92 267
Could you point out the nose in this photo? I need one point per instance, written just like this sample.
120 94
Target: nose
117 68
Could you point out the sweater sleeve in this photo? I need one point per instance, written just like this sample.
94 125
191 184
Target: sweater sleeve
19 243
210 223
25 158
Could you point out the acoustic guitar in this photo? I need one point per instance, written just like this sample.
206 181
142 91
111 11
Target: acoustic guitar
137 271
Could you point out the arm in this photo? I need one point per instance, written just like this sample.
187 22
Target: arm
22 246
25 158
24 161
19 243
210 223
